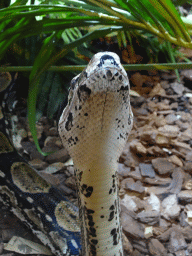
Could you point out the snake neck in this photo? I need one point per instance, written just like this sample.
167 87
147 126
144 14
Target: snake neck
99 209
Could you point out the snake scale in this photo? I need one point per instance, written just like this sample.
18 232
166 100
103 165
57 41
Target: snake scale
94 127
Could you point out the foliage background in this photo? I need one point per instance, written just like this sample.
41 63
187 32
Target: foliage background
46 32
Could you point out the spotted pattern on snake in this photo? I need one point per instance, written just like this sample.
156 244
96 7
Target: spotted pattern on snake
94 127
51 217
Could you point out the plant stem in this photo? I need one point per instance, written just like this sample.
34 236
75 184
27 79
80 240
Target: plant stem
129 67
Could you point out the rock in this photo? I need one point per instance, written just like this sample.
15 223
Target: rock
31 149
188 184
174 105
38 164
162 106
149 217
132 227
148 136
165 112
186 135
157 90
155 151
162 166
187 73
189 156
181 253
175 160
140 246
154 202
129 203
188 166
181 146
185 196
162 140
170 207
187 233
171 131
123 170
52 141
171 119
190 248
185 117
163 224
177 181
147 170
59 156
134 186
156 248
160 121
158 181
177 241
183 219
53 131
127 246
138 148
148 232
137 102
164 237
55 167
142 112
136 253
135 174
177 88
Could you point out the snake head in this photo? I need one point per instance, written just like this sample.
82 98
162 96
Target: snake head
98 104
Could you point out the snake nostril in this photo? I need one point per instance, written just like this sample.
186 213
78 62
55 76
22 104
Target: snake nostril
109 74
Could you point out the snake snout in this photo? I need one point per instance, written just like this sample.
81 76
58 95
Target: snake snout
109 74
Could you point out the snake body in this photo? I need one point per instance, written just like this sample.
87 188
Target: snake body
51 217
94 127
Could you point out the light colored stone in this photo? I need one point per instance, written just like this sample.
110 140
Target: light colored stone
169 130
175 160
129 203
170 207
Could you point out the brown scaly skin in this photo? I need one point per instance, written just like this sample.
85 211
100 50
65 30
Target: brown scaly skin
50 216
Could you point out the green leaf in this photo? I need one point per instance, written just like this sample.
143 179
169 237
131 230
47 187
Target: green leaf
168 11
34 79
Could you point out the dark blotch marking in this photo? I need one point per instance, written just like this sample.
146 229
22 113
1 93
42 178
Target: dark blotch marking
72 141
83 92
123 88
86 191
107 57
109 74
69 123
114 233
111 216
86 114
94 241
113 211
129 121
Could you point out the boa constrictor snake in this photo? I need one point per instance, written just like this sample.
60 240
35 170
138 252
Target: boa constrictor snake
94 127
